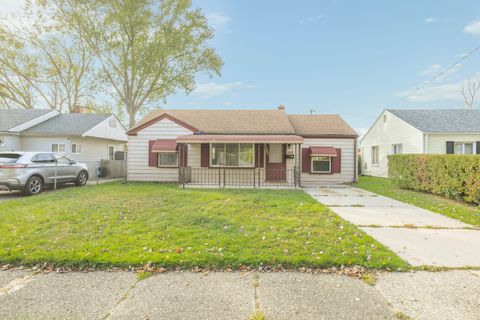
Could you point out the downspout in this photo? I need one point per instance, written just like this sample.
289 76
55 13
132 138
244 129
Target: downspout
425 143
355 156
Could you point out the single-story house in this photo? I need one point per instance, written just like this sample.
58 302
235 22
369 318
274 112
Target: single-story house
427 131
241 148
81 136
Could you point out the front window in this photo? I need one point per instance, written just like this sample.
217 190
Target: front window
111 152
76 148
463 148
397 148
375 155
168 159
232 154
321 164
59 147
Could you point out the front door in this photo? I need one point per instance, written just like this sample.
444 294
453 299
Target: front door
276 167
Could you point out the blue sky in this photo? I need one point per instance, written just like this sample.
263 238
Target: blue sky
353 58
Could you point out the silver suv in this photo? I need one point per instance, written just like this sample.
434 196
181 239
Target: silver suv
32 171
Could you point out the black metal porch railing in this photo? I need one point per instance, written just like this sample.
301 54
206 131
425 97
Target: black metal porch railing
244 177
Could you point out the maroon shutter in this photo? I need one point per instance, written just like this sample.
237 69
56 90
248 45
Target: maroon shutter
337 162
205 155
306 161
259 155
152 156
450 147
185 155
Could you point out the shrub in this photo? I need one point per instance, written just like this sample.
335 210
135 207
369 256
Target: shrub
452 176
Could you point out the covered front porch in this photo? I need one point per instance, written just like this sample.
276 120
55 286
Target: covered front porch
253 161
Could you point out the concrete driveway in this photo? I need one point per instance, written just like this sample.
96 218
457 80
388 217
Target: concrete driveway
418 236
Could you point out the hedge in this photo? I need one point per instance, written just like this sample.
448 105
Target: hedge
452 176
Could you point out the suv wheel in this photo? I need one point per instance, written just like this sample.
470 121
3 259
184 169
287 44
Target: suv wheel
82 179
33 186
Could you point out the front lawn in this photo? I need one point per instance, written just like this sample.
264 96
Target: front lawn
450 208
136 223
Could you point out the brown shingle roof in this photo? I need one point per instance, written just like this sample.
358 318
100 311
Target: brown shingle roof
230 121
254 122
321 125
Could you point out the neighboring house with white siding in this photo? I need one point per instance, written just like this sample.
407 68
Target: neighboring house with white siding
81 136
427 131
250 148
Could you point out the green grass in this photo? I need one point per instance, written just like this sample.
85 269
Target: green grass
450 208
134 224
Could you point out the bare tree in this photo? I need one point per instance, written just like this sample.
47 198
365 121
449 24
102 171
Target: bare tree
470 91
147 49
43 65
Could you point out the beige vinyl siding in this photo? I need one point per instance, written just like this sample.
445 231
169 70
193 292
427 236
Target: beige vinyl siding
138 169
348 162
93 149
385 135
437 143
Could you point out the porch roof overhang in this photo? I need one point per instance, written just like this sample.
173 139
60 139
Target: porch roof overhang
323 151
218 138
164 146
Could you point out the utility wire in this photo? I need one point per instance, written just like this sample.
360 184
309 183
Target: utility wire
438 75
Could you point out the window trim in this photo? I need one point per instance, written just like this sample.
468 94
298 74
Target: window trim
463 143
58 144
329 162
373 154
108 152
166 166
225 153
76 148
397 145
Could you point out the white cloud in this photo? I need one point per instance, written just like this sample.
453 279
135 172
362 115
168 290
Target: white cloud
431 20
433 69
443 92
473 28
218 20
310 19
212 89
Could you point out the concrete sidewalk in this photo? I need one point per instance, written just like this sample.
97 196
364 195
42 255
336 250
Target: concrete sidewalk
418 236
216 295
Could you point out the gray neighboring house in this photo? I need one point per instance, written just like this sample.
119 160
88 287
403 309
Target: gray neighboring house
81 136
425 131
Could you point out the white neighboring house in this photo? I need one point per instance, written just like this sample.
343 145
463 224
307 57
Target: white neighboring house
428 131
81 136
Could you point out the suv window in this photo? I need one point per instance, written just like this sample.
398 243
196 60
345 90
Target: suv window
43 158
62 159
9 157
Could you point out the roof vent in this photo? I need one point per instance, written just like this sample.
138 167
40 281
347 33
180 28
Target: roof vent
281 107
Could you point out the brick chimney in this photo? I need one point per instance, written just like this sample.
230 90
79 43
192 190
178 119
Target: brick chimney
77 109
281 107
